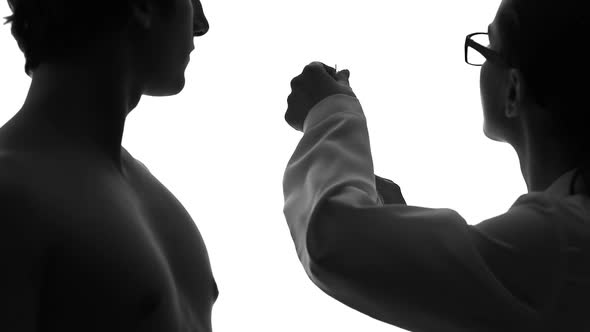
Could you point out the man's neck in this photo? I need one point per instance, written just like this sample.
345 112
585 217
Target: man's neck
83 107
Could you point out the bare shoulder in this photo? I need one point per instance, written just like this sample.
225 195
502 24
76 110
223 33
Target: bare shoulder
23 233
141 177
12 190
133 164
13 187
22 251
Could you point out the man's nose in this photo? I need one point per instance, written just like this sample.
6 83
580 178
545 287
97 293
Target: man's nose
201 26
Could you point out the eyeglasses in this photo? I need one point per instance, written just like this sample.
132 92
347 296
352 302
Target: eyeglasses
477 50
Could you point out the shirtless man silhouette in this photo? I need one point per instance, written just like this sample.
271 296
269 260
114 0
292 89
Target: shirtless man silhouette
90 240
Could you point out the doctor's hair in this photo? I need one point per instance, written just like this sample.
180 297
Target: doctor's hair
51 29
545 39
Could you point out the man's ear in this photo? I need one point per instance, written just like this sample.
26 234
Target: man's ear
142 12
515 94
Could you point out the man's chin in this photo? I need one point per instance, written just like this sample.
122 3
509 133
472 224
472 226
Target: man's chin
171 89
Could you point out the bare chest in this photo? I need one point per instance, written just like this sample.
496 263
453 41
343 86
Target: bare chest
125 254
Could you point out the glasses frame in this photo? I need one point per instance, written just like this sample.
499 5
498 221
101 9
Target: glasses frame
487 53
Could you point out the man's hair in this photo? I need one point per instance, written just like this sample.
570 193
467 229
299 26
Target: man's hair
546 40
52 29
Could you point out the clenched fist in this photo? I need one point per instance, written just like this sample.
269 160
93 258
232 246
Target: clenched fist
316 82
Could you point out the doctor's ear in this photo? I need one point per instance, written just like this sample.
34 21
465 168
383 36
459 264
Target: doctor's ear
516 93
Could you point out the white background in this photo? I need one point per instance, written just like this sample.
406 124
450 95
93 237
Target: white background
221 145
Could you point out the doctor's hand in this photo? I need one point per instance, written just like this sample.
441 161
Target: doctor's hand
317 82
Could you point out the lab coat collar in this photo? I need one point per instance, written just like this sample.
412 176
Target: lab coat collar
561 187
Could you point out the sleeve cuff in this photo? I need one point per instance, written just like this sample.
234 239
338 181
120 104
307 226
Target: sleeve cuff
339 103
